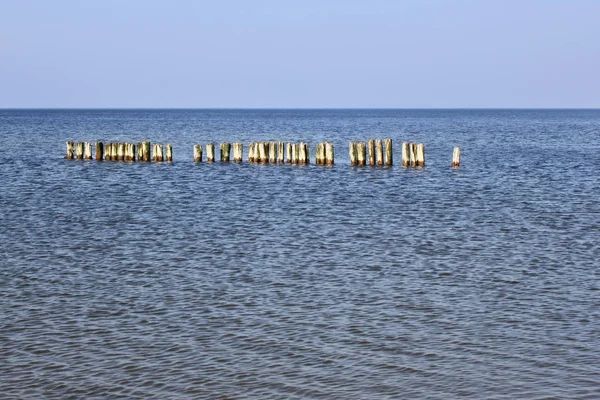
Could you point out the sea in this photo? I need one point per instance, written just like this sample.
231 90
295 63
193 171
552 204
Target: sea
183 280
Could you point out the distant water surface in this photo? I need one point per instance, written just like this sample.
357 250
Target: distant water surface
183 280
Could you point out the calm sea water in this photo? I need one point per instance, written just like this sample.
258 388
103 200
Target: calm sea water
249 281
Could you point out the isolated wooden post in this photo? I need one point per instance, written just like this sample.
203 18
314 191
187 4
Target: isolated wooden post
420 155
288 152
146 151
70 151
353 153
169 152
371 151
273 152
456 157
79 150
280 153
99 151
225 152
197 153
389 154
379 152
158 153
237 152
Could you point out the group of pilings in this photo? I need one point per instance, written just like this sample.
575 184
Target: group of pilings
380 153
120 151
413 154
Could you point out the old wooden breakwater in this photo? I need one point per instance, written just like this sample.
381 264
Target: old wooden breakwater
373 152
120 151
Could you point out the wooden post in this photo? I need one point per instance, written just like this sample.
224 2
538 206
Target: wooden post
120 151
262 152
237 152
379 151
79 150
87 151
319 154
133 151
210 152
273 152
361 149
420 155
405 156
158 153
295 153
169 152
280 153
411 154
371 150
353 153
301 153
251 152
99 151
107 151
197 153
456 157
225 152
140 152
70 151
288 151
146 151
389 154
329 153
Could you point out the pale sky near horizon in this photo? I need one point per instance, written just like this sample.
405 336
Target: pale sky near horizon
305 53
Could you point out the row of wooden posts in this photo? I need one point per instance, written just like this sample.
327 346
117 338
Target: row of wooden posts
379 152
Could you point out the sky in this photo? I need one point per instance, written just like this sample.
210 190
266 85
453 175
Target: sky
300 54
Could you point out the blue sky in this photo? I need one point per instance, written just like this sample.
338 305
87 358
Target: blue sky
308 53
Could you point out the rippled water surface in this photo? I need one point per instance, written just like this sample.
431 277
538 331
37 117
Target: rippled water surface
230 281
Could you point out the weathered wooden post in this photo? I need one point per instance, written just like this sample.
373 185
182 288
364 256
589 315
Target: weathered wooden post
295 153
379 151
420 155
99 151
146 151
353 153
120 151
237 152
70 151
133 151
140 152
405 156
389 154
169 152
456 157
289 153
280 153
79 150
87 151
301 153
197 153
329 153
262 152
210 152
361 149
411 154
108 151
158 153
273 152
251 152
225 152
371 151
319 154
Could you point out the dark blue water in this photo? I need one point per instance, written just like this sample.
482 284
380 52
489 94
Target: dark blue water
183 280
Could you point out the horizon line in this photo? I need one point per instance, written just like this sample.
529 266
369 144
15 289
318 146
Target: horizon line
296 108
